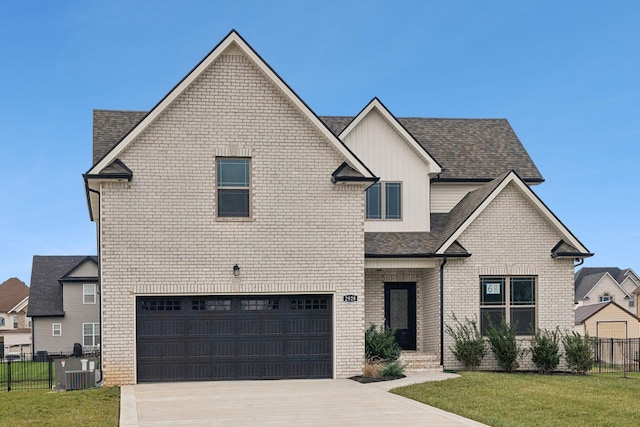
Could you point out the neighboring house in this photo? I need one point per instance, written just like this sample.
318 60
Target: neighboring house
241 236
594 285
65 303
15 326
606 320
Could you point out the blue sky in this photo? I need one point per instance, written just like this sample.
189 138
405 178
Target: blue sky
566 74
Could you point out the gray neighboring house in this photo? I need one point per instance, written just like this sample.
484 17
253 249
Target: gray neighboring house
594 285
64 303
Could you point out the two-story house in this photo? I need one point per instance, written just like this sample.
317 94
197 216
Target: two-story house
64 303
594 285
241 236
15 326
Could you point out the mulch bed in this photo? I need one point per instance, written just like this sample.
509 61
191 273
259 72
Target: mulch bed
366 380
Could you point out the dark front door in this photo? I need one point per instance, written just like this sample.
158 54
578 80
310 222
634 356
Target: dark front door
400 312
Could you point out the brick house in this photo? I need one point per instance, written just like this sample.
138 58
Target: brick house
241 236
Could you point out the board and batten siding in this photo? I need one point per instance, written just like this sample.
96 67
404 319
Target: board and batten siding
444 196
391 158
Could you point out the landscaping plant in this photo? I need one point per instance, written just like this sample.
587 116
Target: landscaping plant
380 345
392 369
503 344
578 352
469 346
545 350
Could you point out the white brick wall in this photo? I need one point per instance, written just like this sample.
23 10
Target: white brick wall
159 234
509 238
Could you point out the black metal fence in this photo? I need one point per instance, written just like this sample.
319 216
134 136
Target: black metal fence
30 372
616 355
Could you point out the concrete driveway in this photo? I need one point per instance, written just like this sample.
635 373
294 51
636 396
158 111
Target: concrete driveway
280 403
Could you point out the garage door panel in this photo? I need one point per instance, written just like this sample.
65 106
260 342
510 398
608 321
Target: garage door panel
222 338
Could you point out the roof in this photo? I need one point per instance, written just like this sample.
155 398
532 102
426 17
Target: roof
45 298
587 277
467 149
12 292
584 312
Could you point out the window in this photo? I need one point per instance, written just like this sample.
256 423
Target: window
631 302
233 177
509 298
90 334
15 322
384 201
29 323
56 329
89 293
606 297
1 321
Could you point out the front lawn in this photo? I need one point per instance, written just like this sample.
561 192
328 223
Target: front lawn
501 399
96 408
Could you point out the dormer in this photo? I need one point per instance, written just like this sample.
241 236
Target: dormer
400 200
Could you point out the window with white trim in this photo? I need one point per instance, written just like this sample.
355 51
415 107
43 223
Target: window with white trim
29 322
512 298
2 321
606 297
90 334
233 184
384 201
16 322
89 293
56 329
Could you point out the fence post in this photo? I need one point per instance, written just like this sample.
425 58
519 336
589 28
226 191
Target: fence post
50 372
8 374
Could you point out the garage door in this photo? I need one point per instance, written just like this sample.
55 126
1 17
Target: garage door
234 337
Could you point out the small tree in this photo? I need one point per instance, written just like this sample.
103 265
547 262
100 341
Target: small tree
380 345
578 352
469 347
545 350
503 344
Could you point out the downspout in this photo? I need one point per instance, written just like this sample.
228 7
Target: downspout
580 262
444 261
98 234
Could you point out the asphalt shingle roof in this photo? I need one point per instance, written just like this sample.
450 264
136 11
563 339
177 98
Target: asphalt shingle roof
12 291
45 297
587 277
467 149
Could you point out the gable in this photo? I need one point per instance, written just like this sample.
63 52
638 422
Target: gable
474 204
86 269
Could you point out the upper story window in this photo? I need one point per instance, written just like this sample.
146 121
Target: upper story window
384 201
89 293
1 321
606 297
233 183
510 298
631 302
29 322
16 322
56 329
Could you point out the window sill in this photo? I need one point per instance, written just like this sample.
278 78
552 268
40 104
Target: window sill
233 219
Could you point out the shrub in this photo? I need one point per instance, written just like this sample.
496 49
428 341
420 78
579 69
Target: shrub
371 370
469 347
545 350
578 352
502 340
380 345
392 369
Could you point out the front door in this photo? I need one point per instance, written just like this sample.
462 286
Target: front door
400 312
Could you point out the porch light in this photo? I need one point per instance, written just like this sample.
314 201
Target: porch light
236 270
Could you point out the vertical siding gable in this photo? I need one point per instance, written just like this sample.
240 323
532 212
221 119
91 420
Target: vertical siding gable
391 158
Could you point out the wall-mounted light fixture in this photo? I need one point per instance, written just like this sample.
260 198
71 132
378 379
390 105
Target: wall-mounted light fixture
236 270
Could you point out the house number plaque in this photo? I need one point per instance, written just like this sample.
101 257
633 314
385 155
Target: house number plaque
350 298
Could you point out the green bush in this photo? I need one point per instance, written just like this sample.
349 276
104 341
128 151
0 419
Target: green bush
469 347
392 369
545 350
503 344
380 345
578 352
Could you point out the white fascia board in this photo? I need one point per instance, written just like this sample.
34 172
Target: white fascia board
20 306
512 177
232 38
434 167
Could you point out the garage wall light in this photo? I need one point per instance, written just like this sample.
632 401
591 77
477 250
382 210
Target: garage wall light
236 270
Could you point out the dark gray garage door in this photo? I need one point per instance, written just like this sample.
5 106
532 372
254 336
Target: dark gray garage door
234 337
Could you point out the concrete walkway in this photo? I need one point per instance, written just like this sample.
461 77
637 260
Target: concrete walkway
281 403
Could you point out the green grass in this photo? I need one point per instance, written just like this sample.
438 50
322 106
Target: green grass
93 408
500 399
26 375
